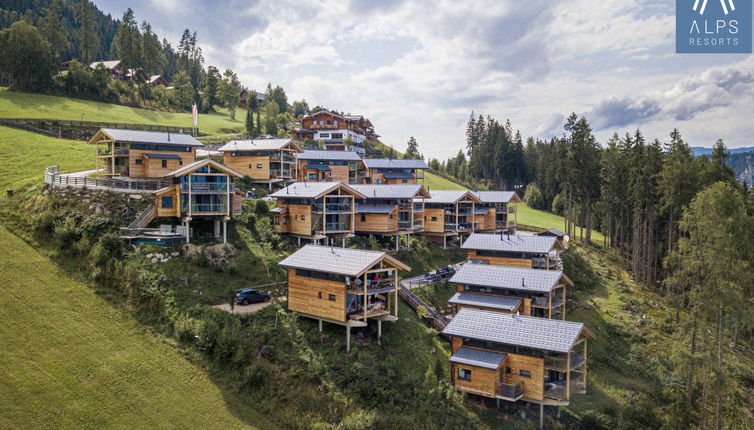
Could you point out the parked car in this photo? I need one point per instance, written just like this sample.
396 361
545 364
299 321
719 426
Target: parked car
445 272
248 295
250 195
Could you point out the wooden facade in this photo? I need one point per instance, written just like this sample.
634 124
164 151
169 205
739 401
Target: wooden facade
450 215
316 210
390 209
496 212
202 190
520 372
263 160
513 251
153 155
343 286
330 166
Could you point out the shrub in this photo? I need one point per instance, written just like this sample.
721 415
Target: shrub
558 205
533 197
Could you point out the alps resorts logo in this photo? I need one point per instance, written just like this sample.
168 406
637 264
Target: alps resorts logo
713 26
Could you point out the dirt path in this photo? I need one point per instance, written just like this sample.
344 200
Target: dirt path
248 309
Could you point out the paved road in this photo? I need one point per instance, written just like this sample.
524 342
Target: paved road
418 281
81 174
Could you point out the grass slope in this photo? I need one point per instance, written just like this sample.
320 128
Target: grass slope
70 360
437 182
25 105
24 156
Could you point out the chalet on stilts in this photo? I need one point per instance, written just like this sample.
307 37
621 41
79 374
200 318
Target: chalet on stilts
496 212
343 286
394 171
317 165
142 154
266 161
316 210
528 292
390 210
539 252
518 358
449 213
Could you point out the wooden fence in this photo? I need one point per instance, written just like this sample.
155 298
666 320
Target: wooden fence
83 130
62 180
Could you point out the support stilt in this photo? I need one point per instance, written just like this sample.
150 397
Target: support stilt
320 326
225 232
397 241
348 339
445 242
541 416
379 329
344 242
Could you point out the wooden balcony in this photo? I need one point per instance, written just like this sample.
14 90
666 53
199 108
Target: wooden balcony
510 392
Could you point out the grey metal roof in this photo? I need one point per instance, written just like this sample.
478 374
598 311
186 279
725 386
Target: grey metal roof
255 145
478 358
397 191
495 302
154 137
392 163
447 196
512 243
495 196
278 210
322 154
509 278
109 64
311 190
553 231
510 329
372 209
342 261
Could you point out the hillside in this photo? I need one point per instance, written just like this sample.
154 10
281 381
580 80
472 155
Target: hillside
72 360
25 105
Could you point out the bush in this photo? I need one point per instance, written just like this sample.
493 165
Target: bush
533 197
558 205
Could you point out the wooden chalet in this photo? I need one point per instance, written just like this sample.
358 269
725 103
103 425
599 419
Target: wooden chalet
201 191
391 210
394 171
335 130
316 210
343 286
449 213
158 80
562 237
512 357
496 210
318 165
266 161
529 292
538 252
142 154
115 68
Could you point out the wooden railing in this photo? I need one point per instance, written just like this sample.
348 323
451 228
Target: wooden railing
430 312
510 391
63 180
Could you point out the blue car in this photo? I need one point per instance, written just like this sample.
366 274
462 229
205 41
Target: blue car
248 295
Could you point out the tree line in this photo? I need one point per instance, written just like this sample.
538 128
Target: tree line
682 224
40 35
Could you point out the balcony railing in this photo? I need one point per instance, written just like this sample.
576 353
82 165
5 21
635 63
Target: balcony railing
405 225
542 263
107 151
277 174
333 207
510 391
559 363
207 187
337 227
286 158
116 170
557 390
208 208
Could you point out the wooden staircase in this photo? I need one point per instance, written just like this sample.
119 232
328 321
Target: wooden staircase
144 218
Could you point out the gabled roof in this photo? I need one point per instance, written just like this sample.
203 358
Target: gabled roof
372 209
552 232
451 196
154 78
323 154
201 163
341 261
320 112
258 145
516 330
498 196
510 278
512 243
495 302
109 64
392 163
141 136
396 191
478 358
314 190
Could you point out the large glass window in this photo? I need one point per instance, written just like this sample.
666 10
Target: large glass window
464 374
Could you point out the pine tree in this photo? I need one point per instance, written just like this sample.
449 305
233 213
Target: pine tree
128 42
154 60
89 43
413 149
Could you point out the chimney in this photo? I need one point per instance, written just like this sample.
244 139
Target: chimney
523 284
168 135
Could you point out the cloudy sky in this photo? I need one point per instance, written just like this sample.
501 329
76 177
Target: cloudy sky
419 68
